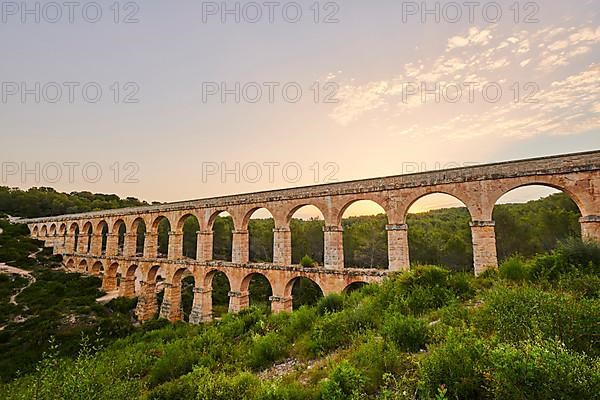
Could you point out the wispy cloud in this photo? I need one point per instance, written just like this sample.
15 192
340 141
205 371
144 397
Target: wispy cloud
567 101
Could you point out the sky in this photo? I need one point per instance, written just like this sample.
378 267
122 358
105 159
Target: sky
168 101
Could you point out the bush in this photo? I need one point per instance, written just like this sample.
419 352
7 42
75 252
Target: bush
330 304
571 256
213 386
307 262
514 269
408 333
456 364
545 370
526 313
344 383
267 349
330 332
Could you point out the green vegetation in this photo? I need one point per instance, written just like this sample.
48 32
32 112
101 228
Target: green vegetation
43 202
428 331
59 305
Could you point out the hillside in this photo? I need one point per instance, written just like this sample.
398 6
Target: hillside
528 332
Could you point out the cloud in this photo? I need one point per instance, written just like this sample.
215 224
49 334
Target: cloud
483 56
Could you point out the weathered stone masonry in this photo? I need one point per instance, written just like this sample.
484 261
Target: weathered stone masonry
478 187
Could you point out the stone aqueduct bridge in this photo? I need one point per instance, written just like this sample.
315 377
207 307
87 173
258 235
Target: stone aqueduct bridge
478 187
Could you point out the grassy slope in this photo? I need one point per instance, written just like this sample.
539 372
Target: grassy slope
530 332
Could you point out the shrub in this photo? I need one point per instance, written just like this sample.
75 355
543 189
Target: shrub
344 383
330 332
122 305
514 269
527 313
571 255
545 370
456 364
219 386
292 391
330 304
408 333
267 349
307 261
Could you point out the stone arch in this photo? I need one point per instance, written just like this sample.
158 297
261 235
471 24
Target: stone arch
138 226
179 298
307 236
535 181
52 230
348 203
352 286
257 294
119 228
36 231
222 234
371 248
514 236
311 299
188 227
217 301
87 231
83 266
455 251
98 268
153 273
70 264
127 284
110 280
161 226
101 235
297 207
432 191
260 234
44 231
74 232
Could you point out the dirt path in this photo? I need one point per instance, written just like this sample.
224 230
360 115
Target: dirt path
7 269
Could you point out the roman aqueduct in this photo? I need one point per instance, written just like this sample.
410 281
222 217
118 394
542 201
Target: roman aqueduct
117 257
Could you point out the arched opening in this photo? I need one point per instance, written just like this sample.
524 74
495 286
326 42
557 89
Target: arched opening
44 231
222 227
304 292
110 280
62 231
128 284
97 269
186 279
439 232
35 233
120 229
52 231
218 282
87 232
365 237
306 224
260 235
75 233
162 227
190 226
354 286
70 264
532 219
139 227
103 230
260 290
83 266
